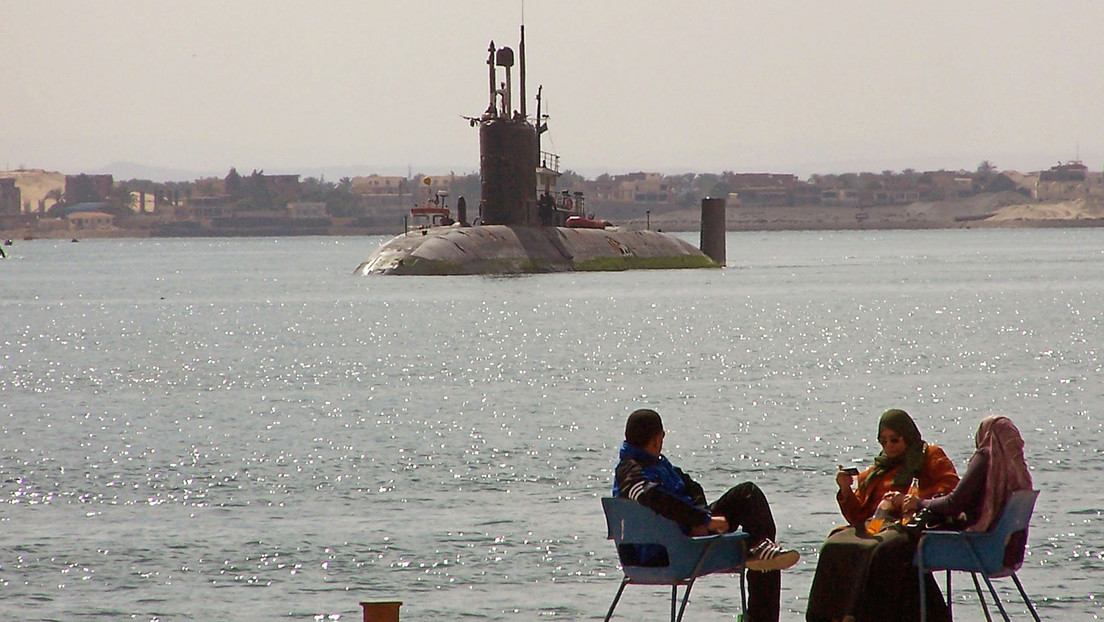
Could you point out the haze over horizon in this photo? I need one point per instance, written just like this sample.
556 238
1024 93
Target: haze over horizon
654 85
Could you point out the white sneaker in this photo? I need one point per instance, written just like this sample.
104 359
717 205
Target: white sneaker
768 555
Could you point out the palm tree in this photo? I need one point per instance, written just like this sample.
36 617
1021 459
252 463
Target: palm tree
54 195
986 168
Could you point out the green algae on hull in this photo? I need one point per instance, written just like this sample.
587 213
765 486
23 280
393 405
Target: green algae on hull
610 264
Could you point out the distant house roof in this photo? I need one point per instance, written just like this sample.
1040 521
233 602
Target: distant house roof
85 207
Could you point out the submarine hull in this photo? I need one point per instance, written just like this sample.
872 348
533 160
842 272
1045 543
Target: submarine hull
506 249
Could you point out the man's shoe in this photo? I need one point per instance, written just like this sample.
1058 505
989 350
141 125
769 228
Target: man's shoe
768 555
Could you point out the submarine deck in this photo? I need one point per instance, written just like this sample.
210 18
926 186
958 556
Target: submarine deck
503 249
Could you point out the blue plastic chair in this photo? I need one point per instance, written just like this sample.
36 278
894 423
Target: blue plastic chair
631 525
993 554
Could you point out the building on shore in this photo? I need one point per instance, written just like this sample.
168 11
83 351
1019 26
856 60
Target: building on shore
87 188
90 221
11 197
1068 182
303 210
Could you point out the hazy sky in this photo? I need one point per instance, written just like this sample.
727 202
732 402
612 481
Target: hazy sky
655 85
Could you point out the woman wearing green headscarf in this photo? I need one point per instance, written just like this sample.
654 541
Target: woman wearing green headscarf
904 456
845 556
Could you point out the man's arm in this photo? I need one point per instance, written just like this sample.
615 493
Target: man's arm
634 485
716 524
693 488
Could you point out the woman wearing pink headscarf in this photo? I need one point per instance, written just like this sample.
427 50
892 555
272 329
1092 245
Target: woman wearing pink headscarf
996 470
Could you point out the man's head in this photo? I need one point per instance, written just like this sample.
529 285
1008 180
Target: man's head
644 430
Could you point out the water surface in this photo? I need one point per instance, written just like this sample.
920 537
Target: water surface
241 429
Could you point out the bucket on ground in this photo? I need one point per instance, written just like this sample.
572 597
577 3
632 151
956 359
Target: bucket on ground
381 611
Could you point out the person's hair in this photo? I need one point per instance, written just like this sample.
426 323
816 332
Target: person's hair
642 426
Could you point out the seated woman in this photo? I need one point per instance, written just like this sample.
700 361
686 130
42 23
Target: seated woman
843 567
996 470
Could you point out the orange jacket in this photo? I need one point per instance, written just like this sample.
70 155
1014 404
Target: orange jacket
937 477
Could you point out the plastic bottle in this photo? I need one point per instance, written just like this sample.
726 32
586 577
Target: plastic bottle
880 516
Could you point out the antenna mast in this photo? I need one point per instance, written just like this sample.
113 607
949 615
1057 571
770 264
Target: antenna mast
521 76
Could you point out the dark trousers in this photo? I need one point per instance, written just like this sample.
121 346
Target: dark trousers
871 578
893 587
745 507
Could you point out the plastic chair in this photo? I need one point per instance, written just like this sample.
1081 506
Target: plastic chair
631 525
993 554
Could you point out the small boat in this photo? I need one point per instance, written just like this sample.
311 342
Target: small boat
431 213
587 222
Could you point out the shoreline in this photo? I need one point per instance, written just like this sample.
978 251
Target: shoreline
996 211
984 211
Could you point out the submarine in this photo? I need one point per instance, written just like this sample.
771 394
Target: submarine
517 231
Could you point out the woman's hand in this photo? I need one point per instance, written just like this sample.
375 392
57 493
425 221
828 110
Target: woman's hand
844 481
910 504
895 499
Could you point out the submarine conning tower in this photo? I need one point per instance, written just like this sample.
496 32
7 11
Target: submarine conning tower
508 147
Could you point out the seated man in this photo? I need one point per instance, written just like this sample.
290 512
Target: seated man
646 476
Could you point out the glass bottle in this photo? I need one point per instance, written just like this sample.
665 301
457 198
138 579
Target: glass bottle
914 492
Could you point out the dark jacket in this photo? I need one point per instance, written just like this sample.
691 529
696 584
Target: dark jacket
657 484
966 496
